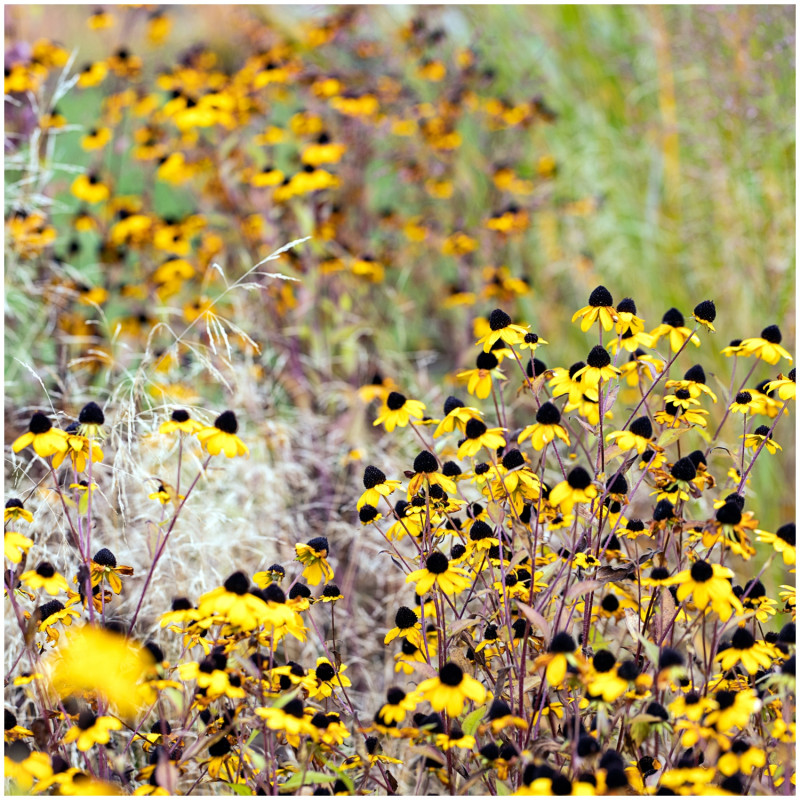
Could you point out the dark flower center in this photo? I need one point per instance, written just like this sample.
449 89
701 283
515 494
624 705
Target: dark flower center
743 398
220 748
274 594
451 469
437 563
39 423
179 415
86 720
513 459
562 643
531 338
451 404
238 583
657 710
604 661
105 558
372 477
325 672
669 658
14 503
45 570
725 699
600 297
486 361
319 544
598 357
425 463
48 609
664 510
659 573
642 427
787 533
742 639
626 306
480 530
610 603
706 311
226 422
762 430
474 429
697 458
696 374
701 572
498 710
683 470
451 674
628 670
617 485
367 513
299 590
395 696
91 414
395 401
405 618
331 590
575 367
729 514
498 320
579 478
457 551
548 414
482 468
636 525
673 318
772 334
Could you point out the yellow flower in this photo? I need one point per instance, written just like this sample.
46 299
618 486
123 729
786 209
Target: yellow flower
767 347
46 439
672 326
705 313
96 138
314 556
639 436
90 189
397 410
15 545
437 570
577 488
91 730
97 660
598 367
79 450
479 380
451 689
783 541
742 404
45 577
477 435
23 767
708 583
546 428
746 650
104 566
786 387
326 679
289 718
376 486
235 603
221 437
560 653
601 307
733 710
501 327
761 434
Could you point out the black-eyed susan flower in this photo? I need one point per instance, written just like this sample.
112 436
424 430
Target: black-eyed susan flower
426 472
560 654
501 327
12 731
598 368
45 577
767 346
90 189
397 706
743 758
603 680
90 730
329 729
326 679
313 555
398 410
546 428
104 567
15 545
451 689
499 718
708 584
742 404
745 650
54 612
673 413
783 541
455 414
438 571
601 307
407 625
639 436
221 437
705 313
479 380
786 387
234 601
80 449
577 488
289 718
694 380
627 321
733 710
477 435
23 767
674 327
15 510
45 439
376 486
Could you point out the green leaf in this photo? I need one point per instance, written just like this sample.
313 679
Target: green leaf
299 779
242 789
472 720
83 503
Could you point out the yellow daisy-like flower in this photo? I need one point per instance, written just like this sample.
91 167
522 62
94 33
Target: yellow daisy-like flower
15 545
437 570
96 138
290 718
783 541
79 449
745 650
639 436
627 321
46 439
327 678
767 347
761 434
180 421
45 577
235 603
313 555
705 313
694 381
22 767
221 437
456 415
561 652
577 488
600 308
91 730
398 704
479 380
742 404
104 567
673 327
786 387
376 486
14 510
733 710
398 410
90 189
501 327
546 428
708 584
407 626
477 435
598 368
451 689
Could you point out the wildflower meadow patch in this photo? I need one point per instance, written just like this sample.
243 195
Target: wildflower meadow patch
370 430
